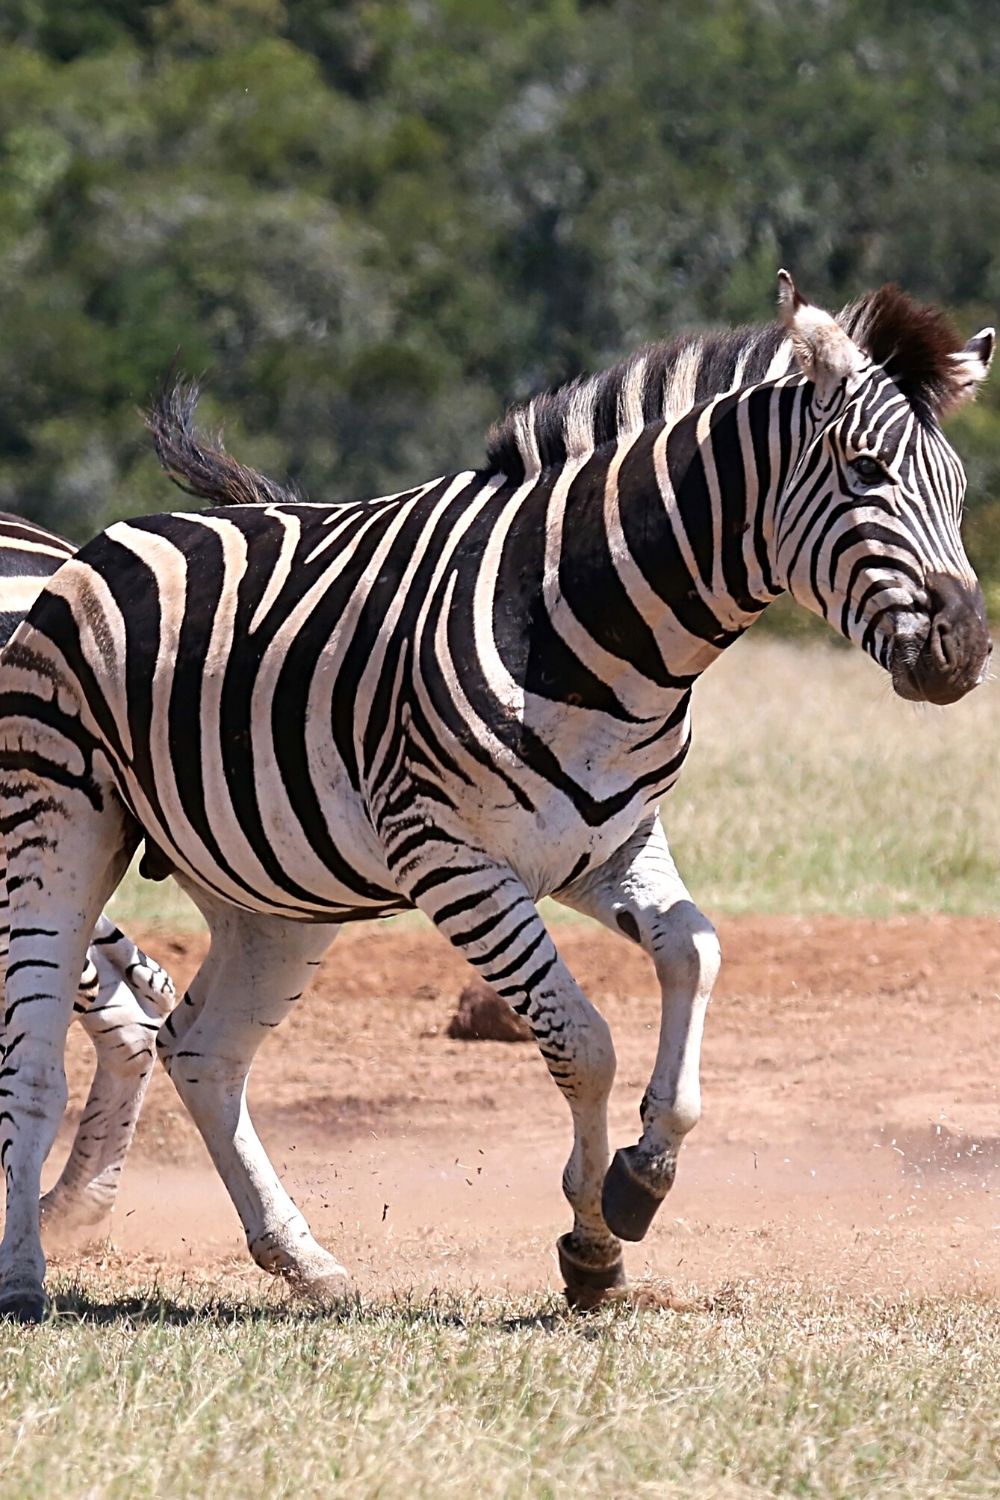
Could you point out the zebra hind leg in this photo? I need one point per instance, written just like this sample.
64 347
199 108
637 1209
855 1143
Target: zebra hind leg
256 969
486 912
123 998
66 854
639 893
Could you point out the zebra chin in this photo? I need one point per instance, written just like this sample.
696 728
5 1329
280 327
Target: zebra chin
950 655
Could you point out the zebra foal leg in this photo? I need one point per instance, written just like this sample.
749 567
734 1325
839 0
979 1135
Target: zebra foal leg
123 998
638 892
256 969
487 913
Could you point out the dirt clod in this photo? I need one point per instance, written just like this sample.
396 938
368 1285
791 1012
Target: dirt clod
483 1017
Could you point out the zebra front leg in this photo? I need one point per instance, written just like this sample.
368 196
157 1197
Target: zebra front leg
486 912
639 893
123 998
255 971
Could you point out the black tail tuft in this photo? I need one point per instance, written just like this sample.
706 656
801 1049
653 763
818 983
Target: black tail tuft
194 464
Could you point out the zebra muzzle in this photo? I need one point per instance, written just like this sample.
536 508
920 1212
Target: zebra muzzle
950 657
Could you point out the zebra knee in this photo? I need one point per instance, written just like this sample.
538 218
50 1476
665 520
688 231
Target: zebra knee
586 1060
601 1060
685 949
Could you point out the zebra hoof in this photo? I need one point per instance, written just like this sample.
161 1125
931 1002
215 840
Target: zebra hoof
328 1293
587 1286
627 1203
310 1271
70 1211
24 1306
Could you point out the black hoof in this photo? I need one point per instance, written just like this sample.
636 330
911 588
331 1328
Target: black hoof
586 1286
627 1204
24 1307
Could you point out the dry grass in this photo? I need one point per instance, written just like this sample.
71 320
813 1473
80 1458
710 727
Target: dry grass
811 787
762 1392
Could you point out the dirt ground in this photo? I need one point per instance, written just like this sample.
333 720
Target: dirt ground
850 1137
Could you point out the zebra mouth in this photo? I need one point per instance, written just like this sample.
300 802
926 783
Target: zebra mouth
911 680
947 656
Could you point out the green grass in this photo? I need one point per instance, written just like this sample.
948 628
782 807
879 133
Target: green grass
809 788
759 1393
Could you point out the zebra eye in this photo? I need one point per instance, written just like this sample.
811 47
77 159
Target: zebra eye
868 470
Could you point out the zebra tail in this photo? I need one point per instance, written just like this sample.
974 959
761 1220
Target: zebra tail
194 464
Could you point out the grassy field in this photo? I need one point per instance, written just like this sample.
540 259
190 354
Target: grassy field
757 1393
810 788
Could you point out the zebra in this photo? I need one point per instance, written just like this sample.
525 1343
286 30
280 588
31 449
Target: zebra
123 994
460 698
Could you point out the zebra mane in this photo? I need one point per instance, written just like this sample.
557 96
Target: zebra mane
660 382
914 343
194 464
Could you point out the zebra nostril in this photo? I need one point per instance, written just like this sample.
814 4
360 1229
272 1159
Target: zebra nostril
942 644
958 641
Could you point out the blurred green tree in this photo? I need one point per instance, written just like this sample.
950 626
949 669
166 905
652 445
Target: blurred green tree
372 224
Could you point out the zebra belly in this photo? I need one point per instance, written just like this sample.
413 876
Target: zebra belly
346 875
262 853
259 855
548 834
554 845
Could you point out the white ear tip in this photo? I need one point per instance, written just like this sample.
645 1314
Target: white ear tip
980 348
789 300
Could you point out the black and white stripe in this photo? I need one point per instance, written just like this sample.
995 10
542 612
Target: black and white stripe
123 994
464 697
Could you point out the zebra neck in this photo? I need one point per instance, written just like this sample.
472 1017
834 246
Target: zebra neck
669 538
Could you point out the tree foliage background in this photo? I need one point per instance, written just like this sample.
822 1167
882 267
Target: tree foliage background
372 224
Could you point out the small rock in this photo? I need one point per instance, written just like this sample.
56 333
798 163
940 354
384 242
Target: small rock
483 1017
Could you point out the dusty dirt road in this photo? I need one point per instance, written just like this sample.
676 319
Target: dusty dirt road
850 1137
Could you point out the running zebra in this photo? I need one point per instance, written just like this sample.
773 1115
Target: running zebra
461 698
123 995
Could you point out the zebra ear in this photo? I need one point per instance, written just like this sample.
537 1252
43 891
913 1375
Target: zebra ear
970 366
823 351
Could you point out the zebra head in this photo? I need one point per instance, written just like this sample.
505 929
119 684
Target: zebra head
866 528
